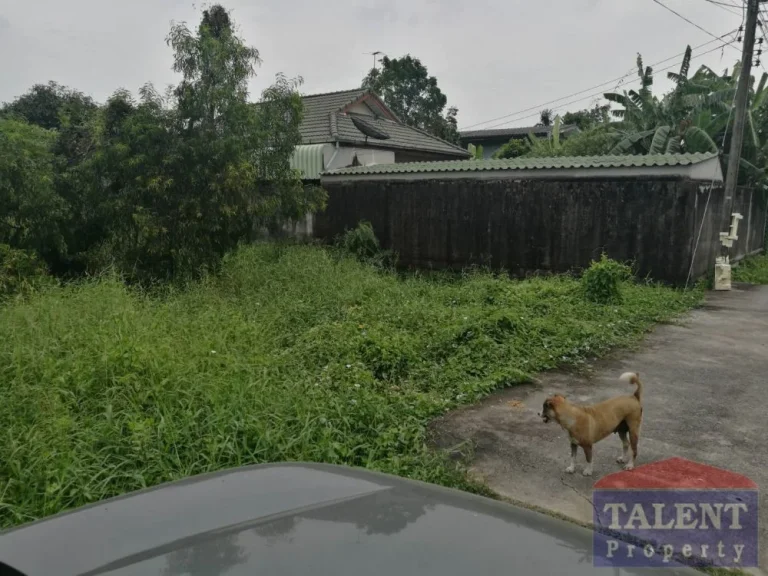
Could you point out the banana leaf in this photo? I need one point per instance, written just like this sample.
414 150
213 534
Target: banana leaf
660 137
697 140
626 144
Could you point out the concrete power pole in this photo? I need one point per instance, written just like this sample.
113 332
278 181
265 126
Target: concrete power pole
742 95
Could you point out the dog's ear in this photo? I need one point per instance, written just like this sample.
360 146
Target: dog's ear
557 399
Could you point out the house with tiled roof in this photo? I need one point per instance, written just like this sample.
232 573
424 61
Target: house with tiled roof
356 128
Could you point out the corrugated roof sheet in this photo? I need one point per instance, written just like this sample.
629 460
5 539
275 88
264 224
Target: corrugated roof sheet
325 122
562 162
309 160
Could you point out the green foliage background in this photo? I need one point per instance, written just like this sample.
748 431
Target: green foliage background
158 186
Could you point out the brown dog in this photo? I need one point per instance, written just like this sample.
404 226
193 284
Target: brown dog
587 425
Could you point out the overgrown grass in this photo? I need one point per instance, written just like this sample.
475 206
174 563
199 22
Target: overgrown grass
753 270
291 354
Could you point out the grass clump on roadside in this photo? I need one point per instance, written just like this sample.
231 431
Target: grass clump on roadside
753 270
603 280
290 354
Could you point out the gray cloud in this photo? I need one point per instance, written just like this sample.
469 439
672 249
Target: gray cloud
378 11
491 58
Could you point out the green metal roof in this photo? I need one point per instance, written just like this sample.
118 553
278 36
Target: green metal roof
562 162
309 160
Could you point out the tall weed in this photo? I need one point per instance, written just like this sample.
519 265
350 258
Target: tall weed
307 357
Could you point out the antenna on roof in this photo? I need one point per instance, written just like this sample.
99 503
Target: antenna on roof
375 54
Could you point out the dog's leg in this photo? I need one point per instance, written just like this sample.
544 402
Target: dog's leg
625 447
633 438
588 454
572 467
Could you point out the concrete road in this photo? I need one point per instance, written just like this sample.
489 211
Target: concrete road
705 399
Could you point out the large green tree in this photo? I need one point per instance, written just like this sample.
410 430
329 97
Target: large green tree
31 212
414 96
186 176
160 185
51 106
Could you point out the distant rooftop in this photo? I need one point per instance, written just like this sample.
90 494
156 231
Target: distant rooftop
522 132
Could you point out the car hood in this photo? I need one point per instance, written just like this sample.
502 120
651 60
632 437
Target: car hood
300 519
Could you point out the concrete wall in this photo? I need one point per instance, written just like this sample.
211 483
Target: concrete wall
524 226
751 233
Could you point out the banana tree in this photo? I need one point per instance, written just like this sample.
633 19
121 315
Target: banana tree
696 116
547 146
642 110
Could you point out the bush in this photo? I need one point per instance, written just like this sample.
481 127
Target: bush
601 282
361 242
364 246
596 141
515 148
21 272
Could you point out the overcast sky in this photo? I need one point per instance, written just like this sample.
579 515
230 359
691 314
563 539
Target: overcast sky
491 58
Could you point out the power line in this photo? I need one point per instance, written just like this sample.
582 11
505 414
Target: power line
600 93
691 22
728 4
607 83
730 7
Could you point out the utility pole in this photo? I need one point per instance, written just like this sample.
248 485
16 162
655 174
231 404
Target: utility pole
742 95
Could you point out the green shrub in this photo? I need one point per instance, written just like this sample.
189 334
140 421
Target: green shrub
21 272
601 282
361 241
515 148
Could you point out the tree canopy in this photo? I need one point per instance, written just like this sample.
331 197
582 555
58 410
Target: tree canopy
51 106
158 185
31 209
414 96
589 117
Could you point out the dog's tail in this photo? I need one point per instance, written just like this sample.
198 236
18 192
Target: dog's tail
633 378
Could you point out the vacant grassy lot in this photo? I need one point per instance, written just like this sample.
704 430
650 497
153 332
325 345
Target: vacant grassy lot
753 270
292 354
